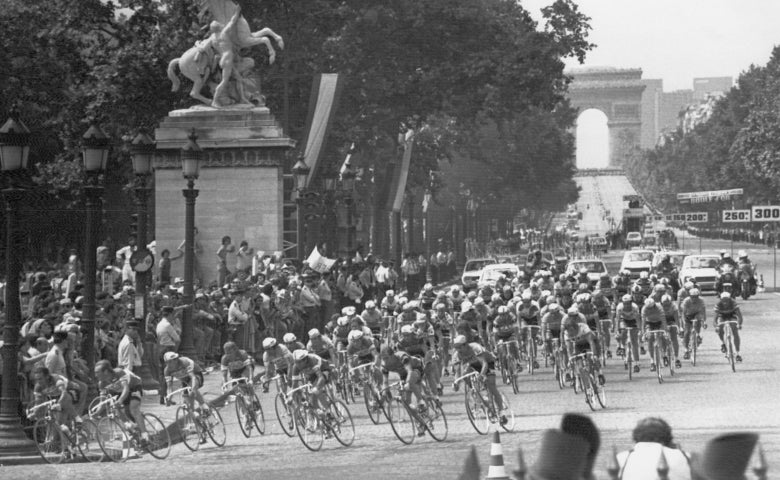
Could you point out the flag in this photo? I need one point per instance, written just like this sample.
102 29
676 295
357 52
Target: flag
325 94
318 263
401 173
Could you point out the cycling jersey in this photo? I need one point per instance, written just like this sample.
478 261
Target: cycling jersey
395 363
691 307
183 370
362 348
653 315
55 388
310 367
412 345
124 377
552 321
320 345
528 313
278 356
504 324
340 333
603 307
726 308
628 315
476 356
235 363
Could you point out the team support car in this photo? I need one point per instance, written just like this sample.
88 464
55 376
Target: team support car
637 261
633 239
491 273
594 267
472 271
702 268
598 244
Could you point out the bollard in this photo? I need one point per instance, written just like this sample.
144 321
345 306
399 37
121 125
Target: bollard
471 467
761 467
663 467
521 468
613 468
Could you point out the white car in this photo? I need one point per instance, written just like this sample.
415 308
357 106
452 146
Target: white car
595 269
636 261
702 268
633 239
491 274
472 271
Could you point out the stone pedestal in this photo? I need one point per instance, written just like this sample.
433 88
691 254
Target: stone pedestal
241 184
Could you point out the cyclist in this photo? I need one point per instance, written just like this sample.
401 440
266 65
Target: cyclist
127 385
582 278
361 349
628 315
622 285
580 339
456 297
315 371
189 373
551 324
410 371
547 282
480 360
416 346
725 310
603 307
672 318
442 326
653 318
659 291
563 291
684 292
320 345
49 386
692 308
645 286
340 333
482 311
586 308
277 360
427 297
504 328
236 363
527 315
407 317
749 268
291 342
389 304
604 286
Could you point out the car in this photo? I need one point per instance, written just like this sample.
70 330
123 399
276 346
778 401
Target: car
634 239
702 268
547 256
675 256
594 267
515 259
636 261
491 273
472 270
561 257
598 244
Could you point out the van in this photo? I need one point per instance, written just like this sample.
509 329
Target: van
598 244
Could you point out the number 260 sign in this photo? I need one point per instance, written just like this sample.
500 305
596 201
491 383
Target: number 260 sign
768 213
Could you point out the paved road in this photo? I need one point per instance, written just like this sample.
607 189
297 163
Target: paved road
699 403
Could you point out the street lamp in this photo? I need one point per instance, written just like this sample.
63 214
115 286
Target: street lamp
301 174
347 186
191 156
94 149
14 154
142 152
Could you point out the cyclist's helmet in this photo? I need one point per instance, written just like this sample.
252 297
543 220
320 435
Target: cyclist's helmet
562 277
644 275
170 356
390 293
626 298
526 297
270 342
407 329
314 333
666 299
370 304
289 338
725 295
598 294
466 306
742 254
459 340
688 285
355 335
694 292
649 302
553 307
503 310
636 289
343 321
299 355
573 311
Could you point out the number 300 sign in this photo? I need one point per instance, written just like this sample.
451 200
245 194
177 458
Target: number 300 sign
770 213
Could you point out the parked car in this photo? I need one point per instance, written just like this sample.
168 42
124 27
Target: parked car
594 267
634 239
472 271
491 273
702 268
598 244
636 261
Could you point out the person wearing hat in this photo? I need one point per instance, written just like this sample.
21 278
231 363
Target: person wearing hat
692 308
475 358
131 350
528 315
725 457
321 345
468 323
277 360
503 328
628 316
361 350
189 373
236 363
562 456
372 318
579 338
168 340
726 310
126 385
316 372
389 304
443 325
653 436
310 301
50 386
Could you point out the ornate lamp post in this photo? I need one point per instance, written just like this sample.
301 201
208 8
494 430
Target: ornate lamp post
329 183
95 147
301 174
142 151
348 187
14 153
191 156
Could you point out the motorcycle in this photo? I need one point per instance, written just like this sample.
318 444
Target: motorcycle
746 282
728 282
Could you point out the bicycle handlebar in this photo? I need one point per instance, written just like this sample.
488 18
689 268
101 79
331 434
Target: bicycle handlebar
360 367
46 404
109 401
183 391
305 386
229 385
464 377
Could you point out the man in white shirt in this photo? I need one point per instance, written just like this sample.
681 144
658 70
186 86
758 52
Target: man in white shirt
653 436
131 350
123 256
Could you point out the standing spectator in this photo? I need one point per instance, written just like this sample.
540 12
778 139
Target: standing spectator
382 276
165 265
354 291
242 322
123 258
222 253
55 357
168 339
725 457
653 436
367 280
205 322
244 258
310 302
325 292
131 350
561 456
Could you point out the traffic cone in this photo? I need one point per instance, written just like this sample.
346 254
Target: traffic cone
496 469
471 467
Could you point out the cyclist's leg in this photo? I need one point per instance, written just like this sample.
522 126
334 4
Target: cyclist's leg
735 333
414 384
134 410
68 408
675 341
605 326
490 383
635 344
687 327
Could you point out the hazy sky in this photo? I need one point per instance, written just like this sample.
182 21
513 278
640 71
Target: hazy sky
677 40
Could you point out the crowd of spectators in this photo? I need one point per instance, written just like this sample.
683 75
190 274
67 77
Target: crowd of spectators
764 237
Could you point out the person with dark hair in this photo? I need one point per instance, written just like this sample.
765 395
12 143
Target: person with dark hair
653 436
583 427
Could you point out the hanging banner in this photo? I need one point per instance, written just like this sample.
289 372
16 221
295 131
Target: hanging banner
325 94
398 185
318 263
710 196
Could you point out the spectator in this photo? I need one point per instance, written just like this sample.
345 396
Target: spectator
562 456
168 340
225 247
584 427
653 436
131 351
244 258
123 257
165 265
725 457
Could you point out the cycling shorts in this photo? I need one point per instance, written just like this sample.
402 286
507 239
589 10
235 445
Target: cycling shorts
581 347
477 367
628 324
554 332
654 326
136 393
531 321
505 336
324 368
364 359
325 354
185 381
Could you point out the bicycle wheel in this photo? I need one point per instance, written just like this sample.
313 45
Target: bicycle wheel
309 428
587 388
509 426
284 415
400 419
191 431
215 427
159 444
88 442
51 441
244 416
476 410
436 421
658 366
373 407
342 425
513 377
601 394
530 352
695 341
114 439
256 410
630 359
732 359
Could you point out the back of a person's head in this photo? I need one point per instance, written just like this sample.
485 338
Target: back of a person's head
653 429
583 427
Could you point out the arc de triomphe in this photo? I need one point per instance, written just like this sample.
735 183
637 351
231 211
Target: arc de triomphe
617 92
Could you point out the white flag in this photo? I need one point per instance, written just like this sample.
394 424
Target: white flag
318 263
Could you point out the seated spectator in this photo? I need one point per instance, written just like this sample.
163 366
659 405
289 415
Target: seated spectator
562 456
725 457
583 427
653 436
